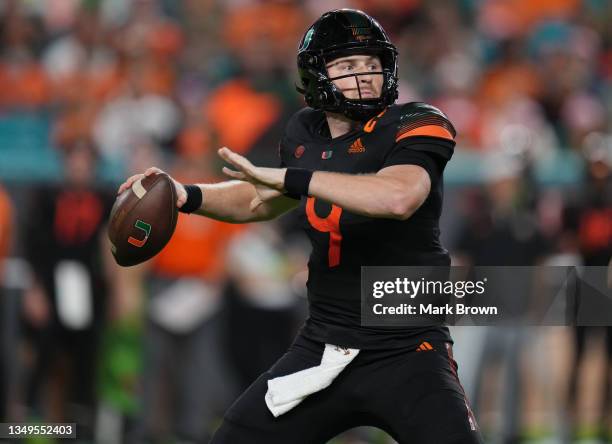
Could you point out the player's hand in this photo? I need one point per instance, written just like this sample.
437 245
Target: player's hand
180 189
244 170
264 194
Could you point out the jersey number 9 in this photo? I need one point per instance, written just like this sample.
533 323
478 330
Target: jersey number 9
329 224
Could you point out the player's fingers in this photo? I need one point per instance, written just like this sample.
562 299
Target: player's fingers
128 183
229 156
240 162
225 152
152 170
181 194
234 174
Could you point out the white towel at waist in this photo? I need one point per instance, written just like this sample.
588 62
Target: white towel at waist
285 392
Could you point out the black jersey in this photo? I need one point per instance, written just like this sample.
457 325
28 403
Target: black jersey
410 134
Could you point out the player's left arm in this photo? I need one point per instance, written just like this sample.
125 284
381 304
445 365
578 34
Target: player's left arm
395 192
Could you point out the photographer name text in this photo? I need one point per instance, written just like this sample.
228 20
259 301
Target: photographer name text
431 309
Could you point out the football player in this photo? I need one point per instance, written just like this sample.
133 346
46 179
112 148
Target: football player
365 174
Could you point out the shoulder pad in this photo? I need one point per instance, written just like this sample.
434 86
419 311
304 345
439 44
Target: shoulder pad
422 119
305 119
298 131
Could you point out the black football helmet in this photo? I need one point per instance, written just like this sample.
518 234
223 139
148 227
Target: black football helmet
340 33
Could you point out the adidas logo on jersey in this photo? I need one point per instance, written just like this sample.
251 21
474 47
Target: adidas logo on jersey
425 346
356 147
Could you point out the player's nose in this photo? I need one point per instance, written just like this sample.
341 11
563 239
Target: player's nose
365 79
365 75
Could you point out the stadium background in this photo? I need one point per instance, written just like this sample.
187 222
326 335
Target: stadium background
92 91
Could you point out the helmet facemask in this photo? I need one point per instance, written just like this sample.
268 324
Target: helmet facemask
321 92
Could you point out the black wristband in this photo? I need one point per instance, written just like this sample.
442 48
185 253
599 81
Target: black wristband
297 181
194 199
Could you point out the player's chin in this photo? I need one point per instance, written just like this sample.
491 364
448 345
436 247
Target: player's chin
362 96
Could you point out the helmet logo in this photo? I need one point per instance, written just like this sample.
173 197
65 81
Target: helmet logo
361 34
307 38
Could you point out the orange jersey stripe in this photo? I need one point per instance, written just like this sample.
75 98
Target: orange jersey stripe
427 130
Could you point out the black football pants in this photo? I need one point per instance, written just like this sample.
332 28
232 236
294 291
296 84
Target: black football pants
414 396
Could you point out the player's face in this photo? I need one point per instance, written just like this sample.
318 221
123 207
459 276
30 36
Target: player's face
364 86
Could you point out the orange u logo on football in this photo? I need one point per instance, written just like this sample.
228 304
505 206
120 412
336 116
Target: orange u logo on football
147 230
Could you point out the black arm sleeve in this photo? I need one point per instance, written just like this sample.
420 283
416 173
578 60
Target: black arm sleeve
430 153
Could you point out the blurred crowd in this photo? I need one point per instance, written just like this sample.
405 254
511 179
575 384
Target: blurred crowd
92 91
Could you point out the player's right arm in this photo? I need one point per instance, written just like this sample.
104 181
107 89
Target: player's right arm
240 202
231 201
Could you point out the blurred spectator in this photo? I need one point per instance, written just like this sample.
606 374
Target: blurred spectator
503 219
502 230
133 116
6 231
590 216
22 80
567 55
6 216
457 78
248 113
186 382
260 298
80 61
121 355
64 309
507 18
510 68
588 221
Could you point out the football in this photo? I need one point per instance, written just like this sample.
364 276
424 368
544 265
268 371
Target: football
143 219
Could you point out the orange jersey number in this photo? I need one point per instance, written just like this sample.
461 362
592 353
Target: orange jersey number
329 224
